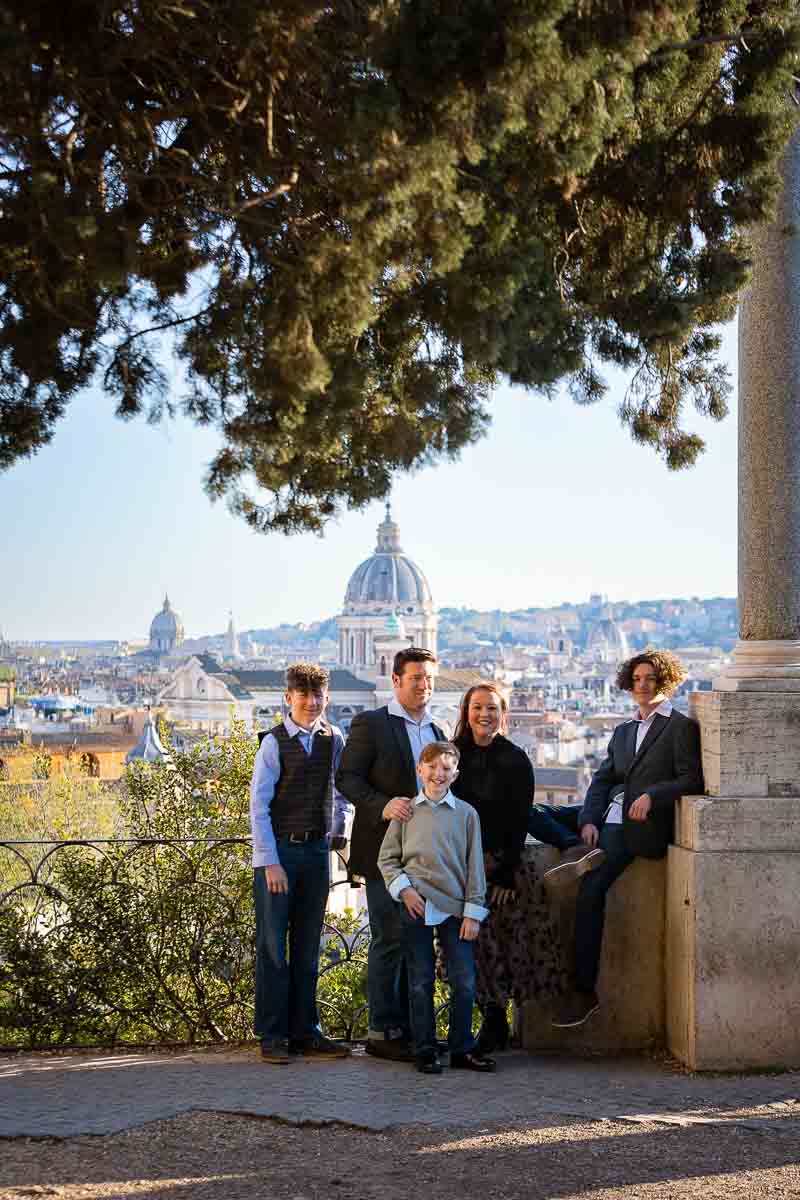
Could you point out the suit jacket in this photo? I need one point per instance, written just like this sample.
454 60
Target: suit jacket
667 766
377 763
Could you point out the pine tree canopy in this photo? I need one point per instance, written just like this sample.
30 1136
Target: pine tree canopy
348 222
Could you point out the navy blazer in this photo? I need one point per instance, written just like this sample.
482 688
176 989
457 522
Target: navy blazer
667 766
377 764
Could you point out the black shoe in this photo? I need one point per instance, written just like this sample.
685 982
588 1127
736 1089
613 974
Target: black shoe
398 1049
576 1010
276 1052
319 1047
494 1032
428 1063
472 1061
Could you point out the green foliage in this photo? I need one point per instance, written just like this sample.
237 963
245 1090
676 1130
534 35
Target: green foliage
353 220
42 765
150 938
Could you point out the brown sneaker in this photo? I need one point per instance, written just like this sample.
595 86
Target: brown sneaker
320 1047
579 1007
575 861
276 1052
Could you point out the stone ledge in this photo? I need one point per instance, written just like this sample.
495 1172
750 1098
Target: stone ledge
717 824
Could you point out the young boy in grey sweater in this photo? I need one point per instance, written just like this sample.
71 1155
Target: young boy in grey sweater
432 865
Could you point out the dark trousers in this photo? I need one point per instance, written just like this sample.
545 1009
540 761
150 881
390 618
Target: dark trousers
286 991
387 975
555 825
590 910
460 963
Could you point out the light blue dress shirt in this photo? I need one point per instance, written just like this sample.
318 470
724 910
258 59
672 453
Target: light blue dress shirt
267 772
434 915
420 733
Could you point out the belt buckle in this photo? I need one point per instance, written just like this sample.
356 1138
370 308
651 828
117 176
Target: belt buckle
299 839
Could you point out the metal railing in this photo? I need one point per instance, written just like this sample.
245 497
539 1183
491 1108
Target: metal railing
110 942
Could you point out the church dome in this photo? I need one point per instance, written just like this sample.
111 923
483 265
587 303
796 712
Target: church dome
166 628
389 576
606 634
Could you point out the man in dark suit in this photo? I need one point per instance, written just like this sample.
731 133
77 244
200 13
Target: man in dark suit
629 808
378 775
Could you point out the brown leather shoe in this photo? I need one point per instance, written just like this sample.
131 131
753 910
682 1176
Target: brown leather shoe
575 861
395 1049
472 1061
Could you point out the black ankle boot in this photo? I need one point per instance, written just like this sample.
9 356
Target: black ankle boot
493 1033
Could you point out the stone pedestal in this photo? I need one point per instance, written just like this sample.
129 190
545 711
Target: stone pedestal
750 742
733 890
733 908
631 984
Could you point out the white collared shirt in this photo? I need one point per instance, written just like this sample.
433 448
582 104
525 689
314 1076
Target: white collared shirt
420 733
614 814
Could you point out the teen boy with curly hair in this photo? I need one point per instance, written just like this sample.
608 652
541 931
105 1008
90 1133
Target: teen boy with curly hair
652 761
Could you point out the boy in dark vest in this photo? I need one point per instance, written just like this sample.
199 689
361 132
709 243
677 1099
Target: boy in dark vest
297 816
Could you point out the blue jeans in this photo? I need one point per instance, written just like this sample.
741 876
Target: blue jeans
387 975
460 961
590 910
286 992
555 825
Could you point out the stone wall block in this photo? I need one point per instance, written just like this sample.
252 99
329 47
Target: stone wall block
631 983
732 937
750 742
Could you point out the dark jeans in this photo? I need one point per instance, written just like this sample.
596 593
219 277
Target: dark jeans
286 1000
555 825
590 910
460 962
387 975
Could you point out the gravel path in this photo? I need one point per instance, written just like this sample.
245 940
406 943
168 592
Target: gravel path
220 1157
72 1094
220 1125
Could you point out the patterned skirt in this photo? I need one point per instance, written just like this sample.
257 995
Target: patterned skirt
518 953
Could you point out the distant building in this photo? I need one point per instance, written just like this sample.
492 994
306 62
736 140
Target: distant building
149 748
561 785
606 641
166 630
387 605
232 650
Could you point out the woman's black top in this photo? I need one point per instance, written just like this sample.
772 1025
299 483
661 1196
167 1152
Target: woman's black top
498 781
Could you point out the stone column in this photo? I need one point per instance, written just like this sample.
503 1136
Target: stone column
733 877
769 447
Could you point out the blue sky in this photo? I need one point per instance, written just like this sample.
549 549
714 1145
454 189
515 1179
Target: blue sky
555 503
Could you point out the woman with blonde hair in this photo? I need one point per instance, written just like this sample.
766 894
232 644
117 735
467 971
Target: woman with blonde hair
518 951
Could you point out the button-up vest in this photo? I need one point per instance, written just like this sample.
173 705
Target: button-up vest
301 802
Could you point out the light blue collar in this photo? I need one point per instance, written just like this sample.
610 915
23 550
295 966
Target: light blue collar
396 709
292 728
447 799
